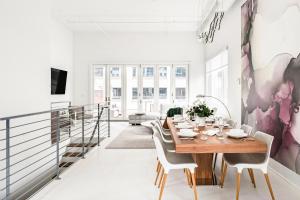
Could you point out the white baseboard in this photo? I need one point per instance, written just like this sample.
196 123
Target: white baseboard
288 175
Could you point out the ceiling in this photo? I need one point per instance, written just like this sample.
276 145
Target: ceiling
133 15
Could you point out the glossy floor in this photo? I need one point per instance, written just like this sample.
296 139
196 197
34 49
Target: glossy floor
109 174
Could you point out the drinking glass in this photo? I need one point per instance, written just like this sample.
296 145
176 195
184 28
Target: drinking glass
221 126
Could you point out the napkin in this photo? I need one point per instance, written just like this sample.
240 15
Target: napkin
211 132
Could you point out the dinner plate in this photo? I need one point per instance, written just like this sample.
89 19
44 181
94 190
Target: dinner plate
187 133
237 133
211 132
184 126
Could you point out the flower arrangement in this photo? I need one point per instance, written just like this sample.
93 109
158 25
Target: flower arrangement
200 110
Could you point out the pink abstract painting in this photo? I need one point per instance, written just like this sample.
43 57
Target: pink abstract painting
271 94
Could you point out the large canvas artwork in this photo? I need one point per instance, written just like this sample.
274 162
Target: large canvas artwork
271 76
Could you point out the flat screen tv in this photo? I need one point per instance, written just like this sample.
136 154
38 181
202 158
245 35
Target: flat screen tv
58 81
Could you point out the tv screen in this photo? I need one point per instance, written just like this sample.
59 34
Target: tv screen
58 81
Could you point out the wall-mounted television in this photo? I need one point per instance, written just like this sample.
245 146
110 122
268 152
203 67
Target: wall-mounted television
58 81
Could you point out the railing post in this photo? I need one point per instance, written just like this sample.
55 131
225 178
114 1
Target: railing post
98 124
108 116
7 194
57 144
69 119
82 135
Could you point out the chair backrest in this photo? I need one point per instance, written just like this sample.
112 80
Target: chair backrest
231 123
159 123
268 139
247 129
160 131
159 145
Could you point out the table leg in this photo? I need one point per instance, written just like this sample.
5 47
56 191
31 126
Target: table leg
204 171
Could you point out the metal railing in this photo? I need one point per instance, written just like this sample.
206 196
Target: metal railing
34 147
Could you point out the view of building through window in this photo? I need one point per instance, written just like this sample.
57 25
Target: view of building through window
140 88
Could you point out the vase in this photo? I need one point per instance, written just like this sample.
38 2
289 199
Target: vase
200 121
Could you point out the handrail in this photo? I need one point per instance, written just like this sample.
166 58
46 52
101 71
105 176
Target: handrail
39 154
97 125
31 114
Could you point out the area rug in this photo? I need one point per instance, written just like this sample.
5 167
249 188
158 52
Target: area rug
133 137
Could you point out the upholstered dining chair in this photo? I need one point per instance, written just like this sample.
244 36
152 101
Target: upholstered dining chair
172 161
166 135
162 127
247 129
250 161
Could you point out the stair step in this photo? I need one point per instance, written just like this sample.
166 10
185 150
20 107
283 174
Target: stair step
72 154
80 145
66 164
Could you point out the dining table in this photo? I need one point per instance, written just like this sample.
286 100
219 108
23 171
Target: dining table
203 148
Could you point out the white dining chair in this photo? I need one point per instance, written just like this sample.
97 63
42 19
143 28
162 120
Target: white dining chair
162 127
165 135
250 161
247 129
231 123
172 161
168 142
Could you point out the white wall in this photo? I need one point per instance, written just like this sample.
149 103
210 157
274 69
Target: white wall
126 47
230 36
31 43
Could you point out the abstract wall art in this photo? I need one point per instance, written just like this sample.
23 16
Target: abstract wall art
270 35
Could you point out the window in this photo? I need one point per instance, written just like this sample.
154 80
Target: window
148 93
99 72
134 72
217 76
162 93
116 93
148 72
163 72
180 72
134 93
180 93
115 72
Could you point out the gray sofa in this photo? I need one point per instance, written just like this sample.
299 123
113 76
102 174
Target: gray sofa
138 118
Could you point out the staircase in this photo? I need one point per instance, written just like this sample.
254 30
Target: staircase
74 151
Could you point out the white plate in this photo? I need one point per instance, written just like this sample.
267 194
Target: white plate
187 133
184 126
211 132
237 133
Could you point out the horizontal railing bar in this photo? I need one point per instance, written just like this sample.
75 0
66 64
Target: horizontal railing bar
30 156
30 131
30 148
30 140
52 175
31 172
52 153
30 123
31 114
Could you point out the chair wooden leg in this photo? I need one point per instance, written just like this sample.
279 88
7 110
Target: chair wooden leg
269 186
251 174
164 179
157 175
187 177
223 175
194 186
158 166
238 185
161 177
222 165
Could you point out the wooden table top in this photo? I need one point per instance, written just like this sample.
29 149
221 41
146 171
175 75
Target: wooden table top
213 144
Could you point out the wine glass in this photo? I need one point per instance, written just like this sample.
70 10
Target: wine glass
221 126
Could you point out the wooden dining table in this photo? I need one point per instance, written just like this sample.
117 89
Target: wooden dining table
203 151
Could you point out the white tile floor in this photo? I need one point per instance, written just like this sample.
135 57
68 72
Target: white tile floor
129 175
